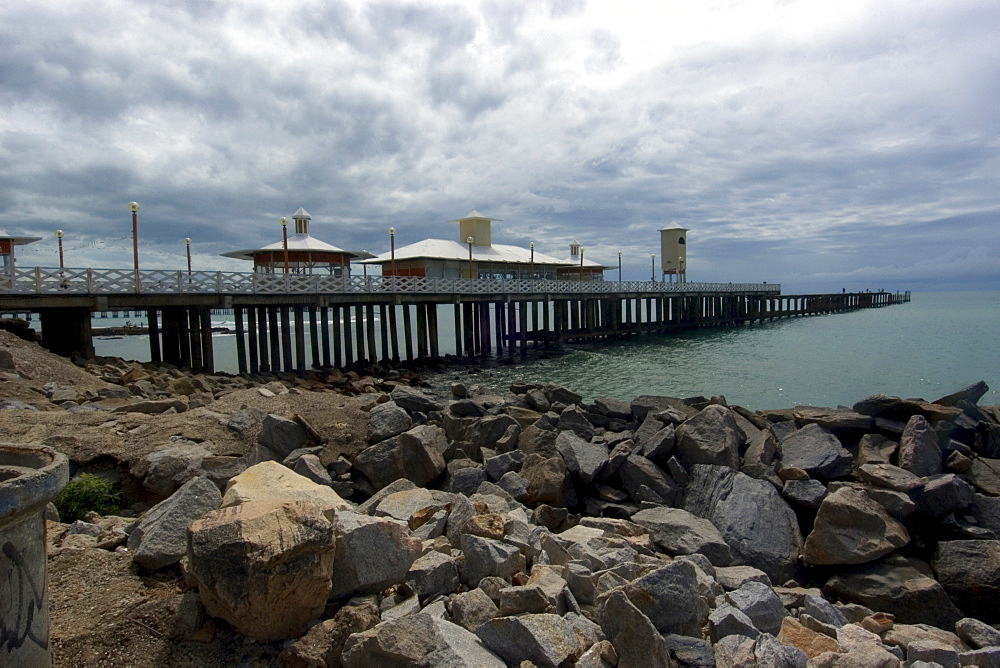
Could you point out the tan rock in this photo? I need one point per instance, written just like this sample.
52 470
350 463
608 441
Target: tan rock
793 634
901 635
134 374
486 525
879 623
271 480
263 566
850 528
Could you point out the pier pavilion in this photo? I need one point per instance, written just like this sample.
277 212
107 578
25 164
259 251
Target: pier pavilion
474 255
299 253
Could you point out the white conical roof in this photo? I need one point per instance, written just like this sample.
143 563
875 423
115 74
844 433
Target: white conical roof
301 213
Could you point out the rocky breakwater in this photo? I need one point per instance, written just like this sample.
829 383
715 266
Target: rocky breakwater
480 530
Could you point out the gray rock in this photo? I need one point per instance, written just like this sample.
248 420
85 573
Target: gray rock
165 469
817 452
548 480
727 620
888 476
515 485
988 657
546 640
895 586
633 635
972 393
407 456
932 652
804 493
537 400
660 446
759 527
614 408
414 400
244 419
759 458
986 511
466 481
969 570
294 455
680 532
472 608
850 528
985 475
919 452
535 440
160 537
584 459
574 419
637 471
734 577
710 437
892 408
942 494
875 449
497 466
417 640
400 485
309 466
690 651
485 557
387 420
836 420
282 435
759 602
819 608
372 554
770 652
897 504
433 574
81 528
736 651
669 598
562 395
977 634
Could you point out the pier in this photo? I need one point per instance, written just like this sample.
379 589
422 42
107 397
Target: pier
293 322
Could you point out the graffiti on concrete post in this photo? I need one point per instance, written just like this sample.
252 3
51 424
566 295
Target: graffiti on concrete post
22 602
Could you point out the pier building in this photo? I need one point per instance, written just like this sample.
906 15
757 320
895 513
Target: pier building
299 252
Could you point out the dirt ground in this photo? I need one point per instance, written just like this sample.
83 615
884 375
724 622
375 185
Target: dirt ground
103 610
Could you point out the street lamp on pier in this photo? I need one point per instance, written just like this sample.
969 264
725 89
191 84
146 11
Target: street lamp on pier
531 271
364 267
284 239
581 263
619 266
187 247
469 241
59 238
652 267
680 268
134 208
392 250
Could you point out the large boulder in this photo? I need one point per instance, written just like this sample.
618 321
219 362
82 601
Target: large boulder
817 452
263 566
669 597
271 480
584 460
387 420
919 452
546 640
850 528
281 435
417 640
710 437
759 602
373 553
637 472
969 570
679 532
160 538
757 524
895 586
413 399
633 635
413 455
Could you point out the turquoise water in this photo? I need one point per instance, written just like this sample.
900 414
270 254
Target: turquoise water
932 346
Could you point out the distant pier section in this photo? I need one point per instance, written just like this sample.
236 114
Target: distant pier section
292 322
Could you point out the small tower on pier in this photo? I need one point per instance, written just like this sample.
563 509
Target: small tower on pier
673 252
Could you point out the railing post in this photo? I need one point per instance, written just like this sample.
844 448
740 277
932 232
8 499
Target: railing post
90 281
180 282
38 280
253 283
218 282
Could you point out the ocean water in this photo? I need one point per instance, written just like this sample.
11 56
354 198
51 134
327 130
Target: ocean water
934 345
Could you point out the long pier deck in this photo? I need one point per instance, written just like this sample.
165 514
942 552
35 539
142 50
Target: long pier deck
371 318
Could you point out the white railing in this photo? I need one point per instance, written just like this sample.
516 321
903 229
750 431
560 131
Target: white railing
48 281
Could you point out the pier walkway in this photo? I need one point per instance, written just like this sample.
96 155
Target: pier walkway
296 321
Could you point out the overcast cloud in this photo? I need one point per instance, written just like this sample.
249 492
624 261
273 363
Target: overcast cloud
818 145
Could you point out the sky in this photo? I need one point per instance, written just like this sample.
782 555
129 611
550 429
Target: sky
821 145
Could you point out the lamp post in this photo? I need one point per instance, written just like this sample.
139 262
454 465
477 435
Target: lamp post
469 241
284 239
581 263
531 271
59 238
187 247
619 266
652 268
364 267
392 249
134 208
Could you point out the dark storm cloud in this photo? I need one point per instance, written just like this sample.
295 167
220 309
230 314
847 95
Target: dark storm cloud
850 148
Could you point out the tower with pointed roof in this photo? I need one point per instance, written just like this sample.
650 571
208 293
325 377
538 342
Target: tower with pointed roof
673 252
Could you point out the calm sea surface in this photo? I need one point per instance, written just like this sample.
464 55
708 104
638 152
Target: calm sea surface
932 346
